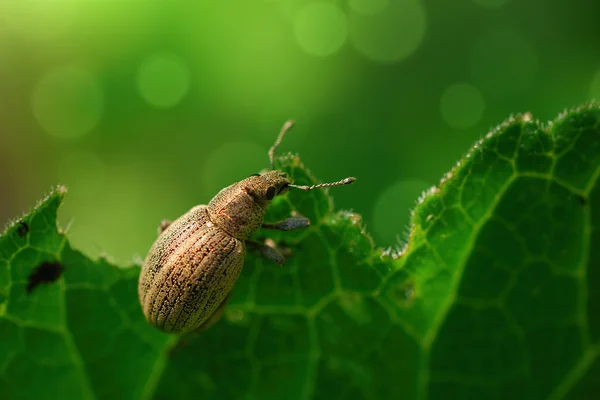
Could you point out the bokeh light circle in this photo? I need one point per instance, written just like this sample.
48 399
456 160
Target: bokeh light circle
595 86
163 80
490 3
393 207
231 162
321 28
503 61
390 35
462 105
368 7
68 102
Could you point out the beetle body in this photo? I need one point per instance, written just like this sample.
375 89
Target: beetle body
193 265
191 268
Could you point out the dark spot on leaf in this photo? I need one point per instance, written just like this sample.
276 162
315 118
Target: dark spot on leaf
582 201
46 272
22 229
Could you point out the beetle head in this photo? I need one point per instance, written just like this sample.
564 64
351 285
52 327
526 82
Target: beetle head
240 208
265 186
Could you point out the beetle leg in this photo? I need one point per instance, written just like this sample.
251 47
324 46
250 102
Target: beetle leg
164 224
268 250
289 224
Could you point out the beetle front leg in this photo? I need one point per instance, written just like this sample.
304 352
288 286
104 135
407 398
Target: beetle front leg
268 250
164 224
289 224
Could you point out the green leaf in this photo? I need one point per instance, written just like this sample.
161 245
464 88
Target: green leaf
496 295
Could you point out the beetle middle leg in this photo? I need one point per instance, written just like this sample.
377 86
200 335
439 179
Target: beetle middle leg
268 249
289 224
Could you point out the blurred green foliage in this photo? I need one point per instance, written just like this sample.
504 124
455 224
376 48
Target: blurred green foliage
144 109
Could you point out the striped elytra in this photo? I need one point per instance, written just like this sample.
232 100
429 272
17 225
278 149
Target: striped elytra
187 270
191 268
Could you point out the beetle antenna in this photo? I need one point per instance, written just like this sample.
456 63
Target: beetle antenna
345 181
286 127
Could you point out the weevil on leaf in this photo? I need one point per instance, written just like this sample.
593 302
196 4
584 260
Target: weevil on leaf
190 270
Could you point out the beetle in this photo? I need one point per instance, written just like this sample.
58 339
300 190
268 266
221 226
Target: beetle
187 277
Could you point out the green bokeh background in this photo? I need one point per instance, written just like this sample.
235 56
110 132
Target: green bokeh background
144 109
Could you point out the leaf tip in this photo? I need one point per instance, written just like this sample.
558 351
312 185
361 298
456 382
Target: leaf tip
526 117
55 195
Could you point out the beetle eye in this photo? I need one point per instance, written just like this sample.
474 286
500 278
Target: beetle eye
271 191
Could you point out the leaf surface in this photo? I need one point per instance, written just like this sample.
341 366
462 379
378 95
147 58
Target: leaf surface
496 295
